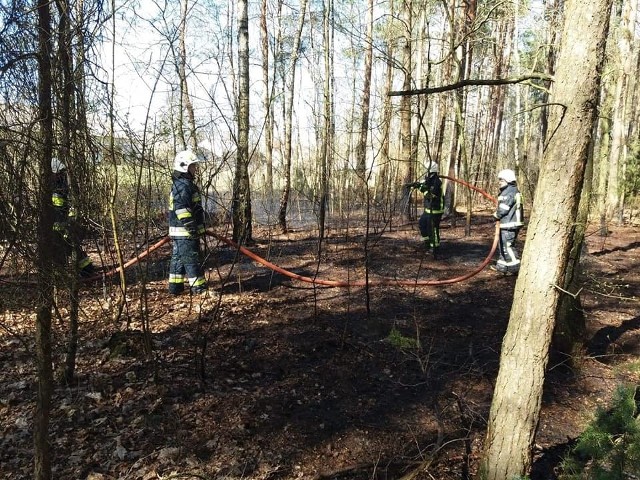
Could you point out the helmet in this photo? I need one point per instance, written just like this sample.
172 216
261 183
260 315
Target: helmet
507 175
57 166
184 159
433 167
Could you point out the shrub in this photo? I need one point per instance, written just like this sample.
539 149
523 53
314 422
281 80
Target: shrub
609 448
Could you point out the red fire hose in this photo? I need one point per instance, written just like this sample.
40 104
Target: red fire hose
329 283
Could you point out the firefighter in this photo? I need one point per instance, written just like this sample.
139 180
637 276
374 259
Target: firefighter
429 222
65 223
510 214
186 226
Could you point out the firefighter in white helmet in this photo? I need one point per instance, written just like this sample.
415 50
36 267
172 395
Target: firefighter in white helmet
65 223
510 213
429 222
186 226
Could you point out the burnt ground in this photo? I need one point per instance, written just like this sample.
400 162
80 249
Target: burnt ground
276 378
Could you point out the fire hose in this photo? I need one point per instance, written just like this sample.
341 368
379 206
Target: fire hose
332 283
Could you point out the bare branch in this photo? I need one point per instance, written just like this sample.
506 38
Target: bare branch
470 83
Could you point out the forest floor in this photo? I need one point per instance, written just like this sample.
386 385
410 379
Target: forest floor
272 377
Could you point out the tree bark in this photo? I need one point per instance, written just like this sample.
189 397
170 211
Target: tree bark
361 146
326 148
288 112
266 101
406 170
620 123
515 409
242 226
67 153
44 265
384 183
570 325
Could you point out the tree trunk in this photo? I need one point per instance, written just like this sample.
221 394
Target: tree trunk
515 409
67 152
618 151
288 112
266 102
242 227
186 107
406 145
361 146
44 265
326 154
570 324
554 10
384 183
603 162
113 193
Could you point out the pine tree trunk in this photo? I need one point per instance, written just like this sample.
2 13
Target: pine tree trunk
515 409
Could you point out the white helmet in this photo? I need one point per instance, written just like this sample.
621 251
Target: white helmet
433 168
507 175
57 166
184 159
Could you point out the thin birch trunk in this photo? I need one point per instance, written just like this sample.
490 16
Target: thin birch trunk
618 151
406 172
185 98
266 102
242 222
288 114
44 255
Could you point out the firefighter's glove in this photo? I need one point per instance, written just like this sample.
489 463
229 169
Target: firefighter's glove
415 185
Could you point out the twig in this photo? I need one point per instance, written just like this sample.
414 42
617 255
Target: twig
609 295
574 295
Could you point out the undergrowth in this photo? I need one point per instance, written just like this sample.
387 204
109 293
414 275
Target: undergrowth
609 448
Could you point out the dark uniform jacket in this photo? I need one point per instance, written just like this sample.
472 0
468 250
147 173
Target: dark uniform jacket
431 188
510 210
186 216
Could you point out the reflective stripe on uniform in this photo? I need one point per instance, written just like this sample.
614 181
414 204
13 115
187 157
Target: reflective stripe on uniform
196 281
178 232
519 218
511 225
58 200
176 278
511 258
183 213
508 264
84 262
183 232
